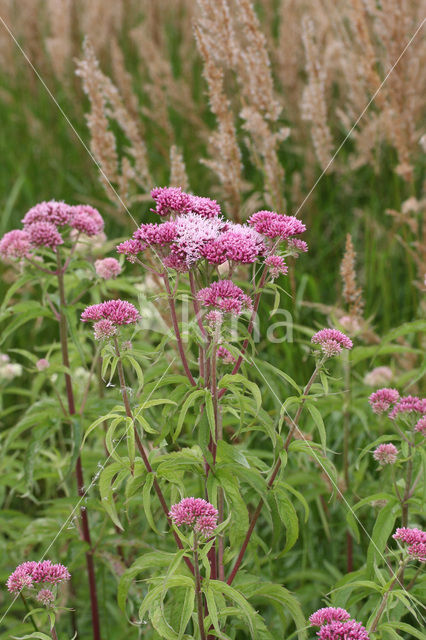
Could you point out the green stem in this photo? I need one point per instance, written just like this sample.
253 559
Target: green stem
27 609
385 598
274 473
198 592
407 487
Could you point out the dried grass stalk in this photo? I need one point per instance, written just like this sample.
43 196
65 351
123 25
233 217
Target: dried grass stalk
352 294
178 175
314 106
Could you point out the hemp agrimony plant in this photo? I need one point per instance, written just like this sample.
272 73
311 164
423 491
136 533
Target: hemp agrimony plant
203 486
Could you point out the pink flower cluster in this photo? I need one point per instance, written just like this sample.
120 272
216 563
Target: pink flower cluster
107 268
421 426
109 315
196 513
172 200
347 630
336 624
15 245
408 404
117 311
197 231
327 615
382 399
274 225
42 225
225 296
30 573
416 539
237 243
386 454
331 341
276 266
225 355
45 597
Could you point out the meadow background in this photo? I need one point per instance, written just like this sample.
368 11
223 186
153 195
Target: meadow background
248 103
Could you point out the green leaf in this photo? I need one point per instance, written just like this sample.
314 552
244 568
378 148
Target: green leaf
193 396
403 626
156 561
187 609
384 526
316 415
288 517
229 380
217 586
146 499
107 477
210 414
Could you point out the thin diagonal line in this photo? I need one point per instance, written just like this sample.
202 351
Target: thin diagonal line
80 139
92 484
380 87
332 481
339 148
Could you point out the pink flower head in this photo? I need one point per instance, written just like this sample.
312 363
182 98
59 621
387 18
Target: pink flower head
331 341
104 329
214 319
57 213
274 225
421 426
239 243
171 200
107 268
225 296
42 364
297 246
44 234
327 615
345 630
416 539
20 578
156 234
385 454
131 248
276 266
196 513
204 207
87 220
378 376
408 404
117 311
15 244
382 399
173 261
29 573
192 234
45 597
225 355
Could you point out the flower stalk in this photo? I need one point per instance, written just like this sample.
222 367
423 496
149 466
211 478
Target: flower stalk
79 467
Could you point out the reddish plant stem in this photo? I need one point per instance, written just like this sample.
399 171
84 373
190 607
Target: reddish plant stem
79 468
249 328
142 451
54 634
274 474
177 331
